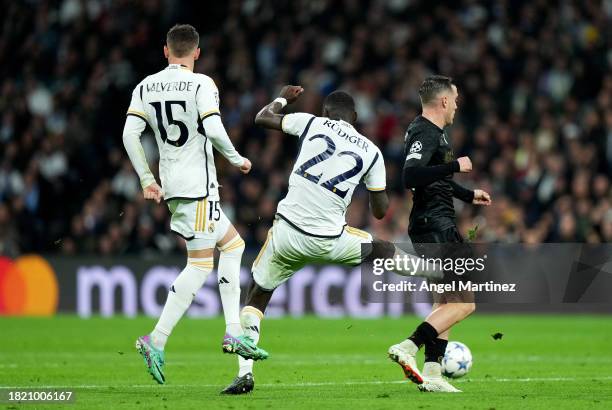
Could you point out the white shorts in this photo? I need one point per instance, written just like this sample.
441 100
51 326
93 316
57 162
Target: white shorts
203 220
287 250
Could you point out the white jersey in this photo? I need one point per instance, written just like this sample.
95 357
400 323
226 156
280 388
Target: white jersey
333 159
175 102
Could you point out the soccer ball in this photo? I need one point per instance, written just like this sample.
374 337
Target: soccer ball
457 360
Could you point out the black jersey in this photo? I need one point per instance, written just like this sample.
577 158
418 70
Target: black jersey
428 171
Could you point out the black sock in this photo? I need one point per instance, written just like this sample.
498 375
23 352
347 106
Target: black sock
423 334
434 350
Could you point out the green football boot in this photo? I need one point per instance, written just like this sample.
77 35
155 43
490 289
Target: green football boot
153 358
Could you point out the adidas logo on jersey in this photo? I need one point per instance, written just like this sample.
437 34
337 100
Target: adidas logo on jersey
223 280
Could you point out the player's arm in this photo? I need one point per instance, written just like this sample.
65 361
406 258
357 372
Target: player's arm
135 124
375 180
270 116
379 203
207 100
476 197
219 138
418 173
461 192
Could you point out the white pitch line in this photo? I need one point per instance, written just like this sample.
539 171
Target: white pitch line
314 384
188 358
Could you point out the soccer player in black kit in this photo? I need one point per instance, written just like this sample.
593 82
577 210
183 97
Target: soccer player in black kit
428 172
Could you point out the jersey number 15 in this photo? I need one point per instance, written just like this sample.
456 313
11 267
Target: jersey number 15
171 121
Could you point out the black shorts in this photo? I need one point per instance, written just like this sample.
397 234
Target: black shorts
450 235
432 245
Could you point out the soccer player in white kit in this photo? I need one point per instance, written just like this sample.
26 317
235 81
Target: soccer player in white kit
182 108
310 222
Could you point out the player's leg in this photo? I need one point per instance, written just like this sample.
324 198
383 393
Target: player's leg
251 316
251 319
270 269
449 308
281 255
434 353
349 250
183 289
181 294
231 247
268 274
404 353
459 306
265 271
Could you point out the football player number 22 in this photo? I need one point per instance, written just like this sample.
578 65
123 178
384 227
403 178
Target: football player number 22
332 182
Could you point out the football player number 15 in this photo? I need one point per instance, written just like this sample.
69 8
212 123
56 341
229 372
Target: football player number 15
332 182
214 212
171 121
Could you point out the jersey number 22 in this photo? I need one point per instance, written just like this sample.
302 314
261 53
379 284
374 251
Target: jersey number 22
331 183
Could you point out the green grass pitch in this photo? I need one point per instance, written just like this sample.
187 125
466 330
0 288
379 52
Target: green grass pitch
541 362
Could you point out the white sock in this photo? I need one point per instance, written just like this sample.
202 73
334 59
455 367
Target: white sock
250 318
432 369
228 274
409 346
181 294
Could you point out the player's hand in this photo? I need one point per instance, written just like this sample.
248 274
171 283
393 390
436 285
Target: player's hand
481 198
291 93
245 168
153 192
465 164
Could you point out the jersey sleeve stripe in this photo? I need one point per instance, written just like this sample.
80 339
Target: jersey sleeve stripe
372 164
306 130
138 114
209 113
377 189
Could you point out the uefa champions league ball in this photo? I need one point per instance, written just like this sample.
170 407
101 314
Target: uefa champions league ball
457 360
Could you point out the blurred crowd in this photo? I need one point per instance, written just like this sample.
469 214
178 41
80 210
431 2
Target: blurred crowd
535 110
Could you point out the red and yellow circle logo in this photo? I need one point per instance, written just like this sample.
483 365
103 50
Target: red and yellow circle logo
28 287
